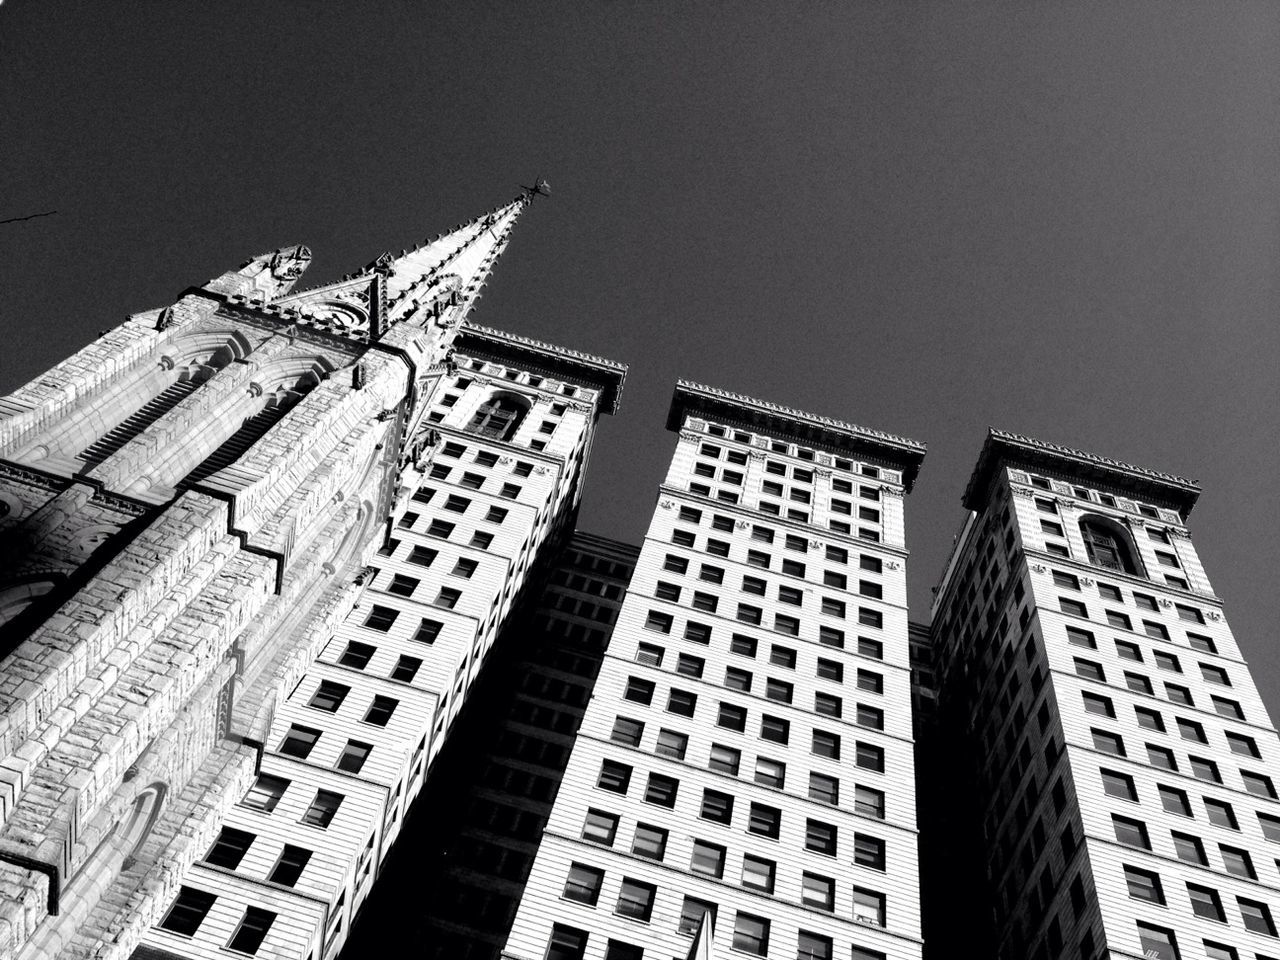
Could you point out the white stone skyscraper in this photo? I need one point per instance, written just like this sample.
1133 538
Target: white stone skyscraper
743 773
1121 764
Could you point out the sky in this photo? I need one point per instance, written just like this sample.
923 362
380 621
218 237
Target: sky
1061 219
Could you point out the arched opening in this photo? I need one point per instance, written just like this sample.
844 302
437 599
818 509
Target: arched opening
499 416
1108 545
276 403
16 597
187 370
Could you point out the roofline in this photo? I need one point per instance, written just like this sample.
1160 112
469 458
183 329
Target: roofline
607 375
826 432
1165 489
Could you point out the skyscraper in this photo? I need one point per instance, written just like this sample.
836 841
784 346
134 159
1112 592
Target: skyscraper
1119 757
743 773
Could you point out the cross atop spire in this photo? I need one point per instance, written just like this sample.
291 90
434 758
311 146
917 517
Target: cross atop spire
435 282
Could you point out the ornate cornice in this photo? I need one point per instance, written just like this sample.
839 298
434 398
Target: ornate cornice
599 373
1007 449
835 435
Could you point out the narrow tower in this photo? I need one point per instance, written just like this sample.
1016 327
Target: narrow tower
742 780
1120 755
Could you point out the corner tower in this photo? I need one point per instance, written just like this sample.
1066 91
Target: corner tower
1120 756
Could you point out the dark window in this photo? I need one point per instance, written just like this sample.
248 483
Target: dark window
328 696
299 741
354 754
322 808
230 847
188 911
290 865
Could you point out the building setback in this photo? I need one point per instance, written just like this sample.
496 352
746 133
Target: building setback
1118 759
454 881
744 771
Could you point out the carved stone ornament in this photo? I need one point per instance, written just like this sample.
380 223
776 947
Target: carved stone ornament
819 471
891 492
742 524
1213 615
666 504
1065 502
1017 476
1127 506
540 471
255 389
755 454
815 543
893 564
1087 581
1135 521
1060 487
503 461
1165 602
167 362
578 406
693 423
1025 492
688 435
1037 568
1179 533
825 459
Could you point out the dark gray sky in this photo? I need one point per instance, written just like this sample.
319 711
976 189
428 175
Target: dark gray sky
1060 218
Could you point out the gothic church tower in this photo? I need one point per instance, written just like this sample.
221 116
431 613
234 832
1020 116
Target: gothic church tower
187 508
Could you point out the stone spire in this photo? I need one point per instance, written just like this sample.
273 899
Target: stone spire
433 283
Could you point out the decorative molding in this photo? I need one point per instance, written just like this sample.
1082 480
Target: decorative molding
742 524
1165 602
892 565
1025 492
1017 476
540 345
821 472
794 414
503 461
1087 581
688 435
891 492
694 423
1038 568
1179 532
1092 458
1136 522
1213 615
755 454
540 471
666 504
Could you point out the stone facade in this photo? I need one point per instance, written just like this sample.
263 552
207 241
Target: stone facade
188 510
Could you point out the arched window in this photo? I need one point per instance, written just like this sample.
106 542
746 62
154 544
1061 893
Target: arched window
499 416
1107 544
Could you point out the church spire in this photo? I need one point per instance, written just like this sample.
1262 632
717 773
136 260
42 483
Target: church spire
435 282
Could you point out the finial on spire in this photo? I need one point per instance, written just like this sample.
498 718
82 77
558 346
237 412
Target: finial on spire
540 188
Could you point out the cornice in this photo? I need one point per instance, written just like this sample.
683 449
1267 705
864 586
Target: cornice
830 433
1004 447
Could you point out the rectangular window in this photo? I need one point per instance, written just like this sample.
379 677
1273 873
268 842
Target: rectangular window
299 741
724 759
635 899
649 842
265 792
758 873
428 630
614 777
293 860
751 934
188 911
671 744
380 711
583 884
708 859
328 696
716 807
354 754
381 618
661 790
230 847
322 808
